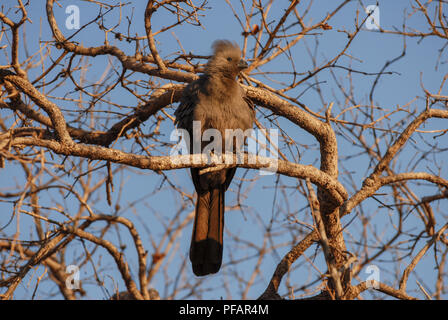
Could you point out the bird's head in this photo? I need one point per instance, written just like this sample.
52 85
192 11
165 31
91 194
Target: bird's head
226 59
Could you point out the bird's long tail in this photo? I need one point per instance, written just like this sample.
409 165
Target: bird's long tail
207 239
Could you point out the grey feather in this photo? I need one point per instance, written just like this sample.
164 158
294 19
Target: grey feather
217 101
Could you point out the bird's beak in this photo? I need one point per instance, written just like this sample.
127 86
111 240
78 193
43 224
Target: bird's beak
242 64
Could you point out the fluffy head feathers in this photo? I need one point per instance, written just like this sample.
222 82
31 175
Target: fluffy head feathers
226 59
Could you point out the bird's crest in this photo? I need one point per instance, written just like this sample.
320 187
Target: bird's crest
225 59
225 47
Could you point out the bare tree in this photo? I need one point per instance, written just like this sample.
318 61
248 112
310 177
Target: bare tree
359 186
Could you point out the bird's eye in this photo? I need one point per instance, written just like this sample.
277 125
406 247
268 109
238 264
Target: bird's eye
229 59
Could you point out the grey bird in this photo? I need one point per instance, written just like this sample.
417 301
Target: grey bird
218 102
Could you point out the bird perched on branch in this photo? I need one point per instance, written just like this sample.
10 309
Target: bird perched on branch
216 101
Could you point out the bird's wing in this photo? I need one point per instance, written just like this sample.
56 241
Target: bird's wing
231 171
188 102
184 112
184 120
